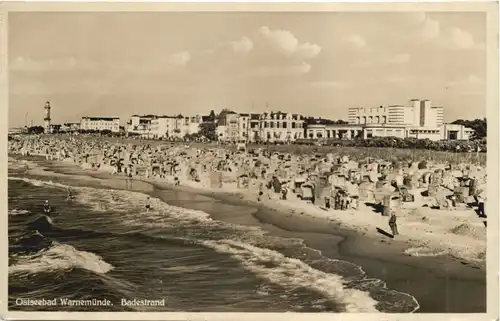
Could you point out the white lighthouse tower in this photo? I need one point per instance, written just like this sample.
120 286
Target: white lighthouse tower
46 120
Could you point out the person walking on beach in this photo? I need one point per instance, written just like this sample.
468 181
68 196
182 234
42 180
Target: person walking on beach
393 225
480 206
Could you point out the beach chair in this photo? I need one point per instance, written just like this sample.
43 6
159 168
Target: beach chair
306 192
405 195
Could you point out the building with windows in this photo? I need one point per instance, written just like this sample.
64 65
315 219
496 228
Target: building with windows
249 127
174 126
281 127
270 127
140 125
70 127
228 127
334 131
100 123
456 132
419 119
418 113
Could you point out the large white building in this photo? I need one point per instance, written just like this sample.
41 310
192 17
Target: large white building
140 125
175 126
284 127
419 113
100 123
270 127
418 119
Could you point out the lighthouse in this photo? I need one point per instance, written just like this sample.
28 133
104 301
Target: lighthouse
46 120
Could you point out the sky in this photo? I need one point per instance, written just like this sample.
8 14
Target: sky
317 64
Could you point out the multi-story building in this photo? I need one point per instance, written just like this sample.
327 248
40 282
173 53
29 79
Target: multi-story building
100 123
271 127
419 119
333 131
249 127
284 127
140 125
175 126
70 127
419 113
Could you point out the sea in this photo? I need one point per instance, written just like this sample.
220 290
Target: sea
104 244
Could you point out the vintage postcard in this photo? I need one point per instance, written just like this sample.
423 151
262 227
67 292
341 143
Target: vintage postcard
227 161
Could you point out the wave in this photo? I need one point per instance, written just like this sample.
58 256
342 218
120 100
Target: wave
294 273
16 211
37 182
59 257
424 251
258 252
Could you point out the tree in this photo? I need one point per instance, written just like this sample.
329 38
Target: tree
36 130
479 126
208 129
211 116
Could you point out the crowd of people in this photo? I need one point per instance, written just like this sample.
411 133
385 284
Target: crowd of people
332 182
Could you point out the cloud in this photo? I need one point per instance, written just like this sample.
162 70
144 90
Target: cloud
429 29
400 59
242 46
61 64
461 40
180 58
287 44
357 41
469 82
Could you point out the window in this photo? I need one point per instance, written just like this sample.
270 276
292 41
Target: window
272 124
284 124
293 124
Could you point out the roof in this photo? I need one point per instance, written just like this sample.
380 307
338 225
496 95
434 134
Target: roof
100 118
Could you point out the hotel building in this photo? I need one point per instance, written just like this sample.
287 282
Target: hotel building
100 123
270 127
174 126
418 119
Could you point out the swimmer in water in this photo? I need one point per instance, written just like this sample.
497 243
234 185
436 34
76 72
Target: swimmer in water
46 207
148 205
70 194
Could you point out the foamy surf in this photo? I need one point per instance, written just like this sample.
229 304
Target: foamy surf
424 251
60 257
37 182
16 211
294 273
330 279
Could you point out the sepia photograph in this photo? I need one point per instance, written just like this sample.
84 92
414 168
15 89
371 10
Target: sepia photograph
229 161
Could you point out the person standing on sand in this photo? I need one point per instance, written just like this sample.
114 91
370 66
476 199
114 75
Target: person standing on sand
393 225
480 206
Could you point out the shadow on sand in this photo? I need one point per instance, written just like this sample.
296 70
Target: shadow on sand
381 231
377 207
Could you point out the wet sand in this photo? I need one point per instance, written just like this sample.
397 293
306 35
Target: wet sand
440 284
